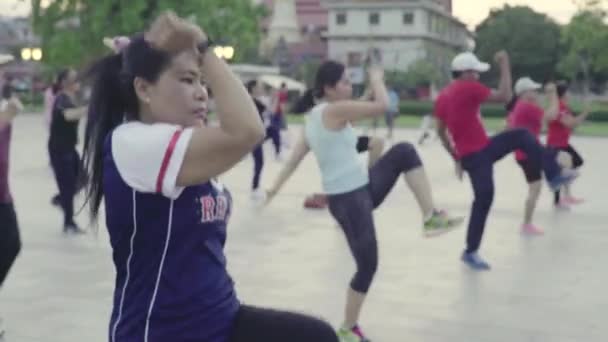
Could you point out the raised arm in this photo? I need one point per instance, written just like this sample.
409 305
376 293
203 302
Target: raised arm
504 93
300 150
575 121
11 108
337 114
214 150
552 110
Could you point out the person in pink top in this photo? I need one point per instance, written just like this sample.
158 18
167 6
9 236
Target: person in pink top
558 138
463 134
524 112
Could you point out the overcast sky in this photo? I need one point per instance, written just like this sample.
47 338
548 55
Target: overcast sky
469 11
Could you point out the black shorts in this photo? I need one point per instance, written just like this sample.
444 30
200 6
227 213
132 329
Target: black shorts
532 174
363 144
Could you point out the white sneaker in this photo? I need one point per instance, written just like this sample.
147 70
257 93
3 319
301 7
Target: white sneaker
258 196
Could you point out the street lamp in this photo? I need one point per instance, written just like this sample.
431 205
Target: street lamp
36 54
26 54
31 54
225 52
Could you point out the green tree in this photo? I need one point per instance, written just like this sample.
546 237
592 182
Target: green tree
532 40
585 40
419 73
71 30
422 72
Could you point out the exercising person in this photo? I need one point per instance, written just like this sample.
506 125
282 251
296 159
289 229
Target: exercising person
154 164
558 138
353 194
10 241
463 135
524 112
62 142
374 147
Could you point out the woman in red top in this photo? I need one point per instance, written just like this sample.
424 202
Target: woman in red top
558 137
524 112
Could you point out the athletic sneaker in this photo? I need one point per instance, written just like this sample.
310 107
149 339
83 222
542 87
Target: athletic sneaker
475 261
562 206
258 196
570 200
353 335
72 228
316 201
530 229
439 223
566 177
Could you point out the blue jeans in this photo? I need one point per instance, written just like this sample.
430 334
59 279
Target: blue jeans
480 167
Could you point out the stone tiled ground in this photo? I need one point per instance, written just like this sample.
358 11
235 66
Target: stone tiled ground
548 289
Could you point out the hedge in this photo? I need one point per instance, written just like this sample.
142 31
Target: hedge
420 108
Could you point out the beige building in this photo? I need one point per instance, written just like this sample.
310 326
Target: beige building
404 31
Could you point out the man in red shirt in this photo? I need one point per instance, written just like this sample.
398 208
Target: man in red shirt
558 138
462 132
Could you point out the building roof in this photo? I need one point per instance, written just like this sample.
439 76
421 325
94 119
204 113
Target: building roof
309 13
442 7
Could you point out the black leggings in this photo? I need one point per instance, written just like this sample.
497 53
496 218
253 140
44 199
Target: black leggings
354 210
258 165
577 162
264 325
10 242
66 167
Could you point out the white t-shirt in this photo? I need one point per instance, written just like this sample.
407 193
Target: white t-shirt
149 156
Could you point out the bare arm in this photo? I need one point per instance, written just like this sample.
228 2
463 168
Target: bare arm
214 150
12 108
552 110
504 92
376 148
75 114
442 132
337 114
300 150
575 121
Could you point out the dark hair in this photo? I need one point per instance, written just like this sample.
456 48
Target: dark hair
113 99
250 85
328 74
62 75
7 90
562 88
511 104
304 103
456 74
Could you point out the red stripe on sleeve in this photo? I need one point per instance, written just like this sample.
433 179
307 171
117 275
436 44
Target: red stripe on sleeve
166 160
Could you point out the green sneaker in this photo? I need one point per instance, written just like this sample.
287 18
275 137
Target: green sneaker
440 222
353 335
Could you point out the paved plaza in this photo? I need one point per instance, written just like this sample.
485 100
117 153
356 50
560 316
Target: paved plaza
541 289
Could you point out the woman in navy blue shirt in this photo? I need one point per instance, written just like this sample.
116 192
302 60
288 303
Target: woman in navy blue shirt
153 163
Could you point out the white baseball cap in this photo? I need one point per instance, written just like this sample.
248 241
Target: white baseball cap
525 84
468 61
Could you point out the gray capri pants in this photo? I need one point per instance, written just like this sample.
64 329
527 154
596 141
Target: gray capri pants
354 210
